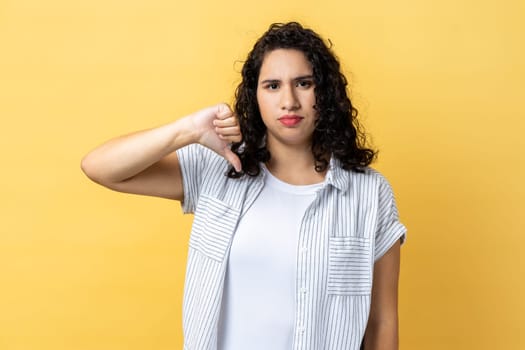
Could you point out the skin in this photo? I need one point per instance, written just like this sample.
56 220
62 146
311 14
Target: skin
382 328
286 87
145 163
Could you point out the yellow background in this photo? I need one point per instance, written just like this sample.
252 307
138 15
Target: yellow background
439 86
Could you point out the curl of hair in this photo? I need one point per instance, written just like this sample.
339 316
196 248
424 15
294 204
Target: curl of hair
337 131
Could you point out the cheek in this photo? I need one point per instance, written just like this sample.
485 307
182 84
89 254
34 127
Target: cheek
312 99
263 102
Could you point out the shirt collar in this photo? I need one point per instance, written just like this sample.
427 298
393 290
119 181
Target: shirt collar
337 176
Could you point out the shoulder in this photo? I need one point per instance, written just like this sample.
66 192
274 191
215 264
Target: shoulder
383 188
376 175
201 156
366 183
367 175
200 165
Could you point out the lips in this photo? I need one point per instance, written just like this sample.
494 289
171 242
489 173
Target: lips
290 120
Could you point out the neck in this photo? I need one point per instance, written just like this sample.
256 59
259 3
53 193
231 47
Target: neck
294 165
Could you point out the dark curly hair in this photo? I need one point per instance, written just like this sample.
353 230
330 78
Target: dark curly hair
337 131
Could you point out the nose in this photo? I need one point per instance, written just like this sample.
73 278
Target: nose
289 100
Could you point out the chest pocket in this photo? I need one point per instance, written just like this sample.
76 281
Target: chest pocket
213 227
349 266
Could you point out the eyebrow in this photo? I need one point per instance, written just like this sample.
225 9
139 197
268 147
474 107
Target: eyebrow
302 77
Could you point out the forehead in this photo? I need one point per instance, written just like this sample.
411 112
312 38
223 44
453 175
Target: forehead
284 63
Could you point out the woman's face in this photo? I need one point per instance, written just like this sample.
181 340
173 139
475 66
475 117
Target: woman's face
286 98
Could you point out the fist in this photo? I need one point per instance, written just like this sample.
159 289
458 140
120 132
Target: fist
217 128
226 124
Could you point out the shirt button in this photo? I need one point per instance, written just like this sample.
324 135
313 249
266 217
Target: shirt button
304 250
304 290
301 329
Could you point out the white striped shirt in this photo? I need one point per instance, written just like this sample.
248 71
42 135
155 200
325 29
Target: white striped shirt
352 222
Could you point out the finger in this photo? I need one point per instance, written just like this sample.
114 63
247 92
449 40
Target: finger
224 111
233 159
225 122
234 130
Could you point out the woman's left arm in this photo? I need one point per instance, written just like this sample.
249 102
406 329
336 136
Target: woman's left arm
382 328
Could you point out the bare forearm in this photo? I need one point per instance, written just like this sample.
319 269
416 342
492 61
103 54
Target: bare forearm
123 157
381 336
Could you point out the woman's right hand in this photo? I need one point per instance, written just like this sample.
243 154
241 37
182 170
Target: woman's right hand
217 127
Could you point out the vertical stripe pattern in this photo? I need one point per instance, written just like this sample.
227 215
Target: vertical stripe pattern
352 223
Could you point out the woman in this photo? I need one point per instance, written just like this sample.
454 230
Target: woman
295 241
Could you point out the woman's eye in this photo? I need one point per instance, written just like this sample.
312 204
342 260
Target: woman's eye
304 83
272 86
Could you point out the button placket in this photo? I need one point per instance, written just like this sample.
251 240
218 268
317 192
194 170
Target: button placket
302 282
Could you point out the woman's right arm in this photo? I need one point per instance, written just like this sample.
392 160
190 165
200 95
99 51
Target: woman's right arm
145 162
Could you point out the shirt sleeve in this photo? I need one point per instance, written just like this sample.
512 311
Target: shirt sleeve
192 159
389 228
